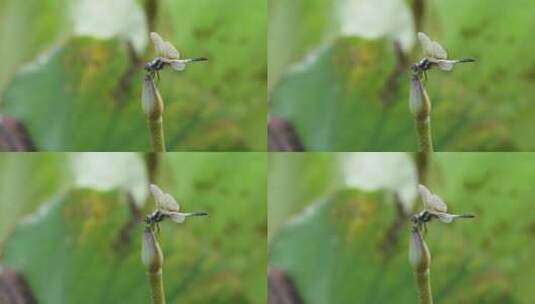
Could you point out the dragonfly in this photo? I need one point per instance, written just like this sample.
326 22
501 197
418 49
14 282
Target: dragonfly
167 207
434 208
167 56
434 55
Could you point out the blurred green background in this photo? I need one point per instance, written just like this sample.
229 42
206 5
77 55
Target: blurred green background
333 226
335 75
72 73
67 225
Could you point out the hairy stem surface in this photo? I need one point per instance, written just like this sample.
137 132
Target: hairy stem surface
425 141
423 279
157 134
156 287
152 258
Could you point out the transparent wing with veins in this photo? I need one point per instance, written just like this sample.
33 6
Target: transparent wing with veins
435 206
170 51
168 206
432 202
164 48
158 42
432 49
164 201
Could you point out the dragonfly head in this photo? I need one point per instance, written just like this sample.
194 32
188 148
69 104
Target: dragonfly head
416 69
420 217
148 67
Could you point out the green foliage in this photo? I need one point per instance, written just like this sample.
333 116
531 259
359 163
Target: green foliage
85 95
334 103
336 99
337 249
27 27
26 180
84 245
332 252
74 252
295 179
71 106
221 104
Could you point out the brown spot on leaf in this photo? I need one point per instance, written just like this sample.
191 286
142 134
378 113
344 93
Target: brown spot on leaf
14 136
282 136
281 289
390 241
391 86
120 92
13 288
124 237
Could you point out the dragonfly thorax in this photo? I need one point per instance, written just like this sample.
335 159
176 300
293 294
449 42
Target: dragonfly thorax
155 65
154 217
422 217
422 65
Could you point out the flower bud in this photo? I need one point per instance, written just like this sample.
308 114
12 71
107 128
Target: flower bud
419 103
151 253
419 255
151 100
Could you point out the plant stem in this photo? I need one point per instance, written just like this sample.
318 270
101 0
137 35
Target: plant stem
152 162
153 108
422 167
420 107
424 287
422 160
420 260
151 11
156 134
425 141
418 10
152 258
156 286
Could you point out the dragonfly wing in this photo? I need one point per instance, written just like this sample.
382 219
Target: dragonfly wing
427 44
159 44
438 51
177 217
431 48
448 217
444 217
170 203
445 65
164 201
158 195
432 202
178 65
170 51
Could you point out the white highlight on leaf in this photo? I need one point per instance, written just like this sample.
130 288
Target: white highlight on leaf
41 212
306 214
373 171
110 18
109 171
377 18
308 60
